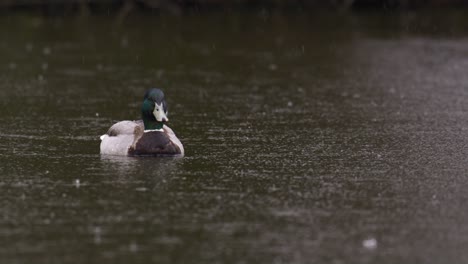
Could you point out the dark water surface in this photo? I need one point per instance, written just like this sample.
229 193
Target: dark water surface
309 139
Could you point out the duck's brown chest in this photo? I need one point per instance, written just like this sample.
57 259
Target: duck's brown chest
154 143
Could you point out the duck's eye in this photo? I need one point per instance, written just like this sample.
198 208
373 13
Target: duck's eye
157 109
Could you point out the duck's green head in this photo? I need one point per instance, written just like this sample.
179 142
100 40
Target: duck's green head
154 109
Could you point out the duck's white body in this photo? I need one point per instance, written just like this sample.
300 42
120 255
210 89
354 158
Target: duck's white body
128 138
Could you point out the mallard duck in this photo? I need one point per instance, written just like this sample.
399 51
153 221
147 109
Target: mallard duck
147 137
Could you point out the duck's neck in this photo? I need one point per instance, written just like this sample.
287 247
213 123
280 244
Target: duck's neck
152 124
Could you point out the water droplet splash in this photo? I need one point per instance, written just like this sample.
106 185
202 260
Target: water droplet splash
133 247
77 183
370 243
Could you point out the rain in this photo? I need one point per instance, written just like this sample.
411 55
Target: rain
314 131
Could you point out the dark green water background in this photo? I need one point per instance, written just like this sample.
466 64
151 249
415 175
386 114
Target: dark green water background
305 134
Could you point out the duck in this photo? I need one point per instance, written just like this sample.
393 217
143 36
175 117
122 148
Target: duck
147 137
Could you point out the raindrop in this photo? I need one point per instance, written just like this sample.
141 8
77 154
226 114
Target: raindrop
97 235
46 51
159 73
141 189
124 42
370 243
44 66
77 183
133 247
264 14
29 47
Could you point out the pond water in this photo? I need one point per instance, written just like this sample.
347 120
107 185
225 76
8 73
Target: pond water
309 138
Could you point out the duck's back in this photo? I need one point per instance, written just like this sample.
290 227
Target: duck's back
119 138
